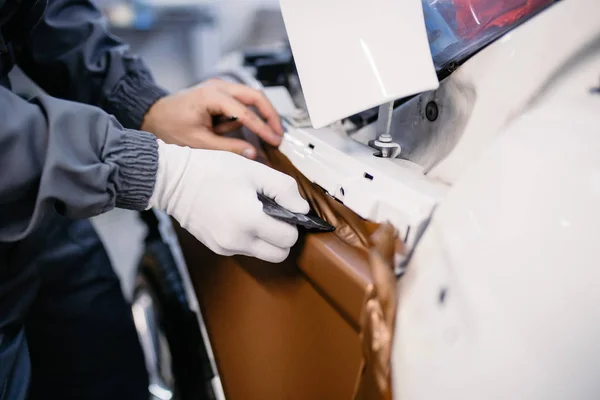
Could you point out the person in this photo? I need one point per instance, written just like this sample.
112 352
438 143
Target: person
104 135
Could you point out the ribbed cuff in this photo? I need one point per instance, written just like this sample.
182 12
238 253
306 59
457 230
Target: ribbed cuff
138 164
132 98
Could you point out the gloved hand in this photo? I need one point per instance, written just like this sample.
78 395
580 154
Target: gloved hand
213 194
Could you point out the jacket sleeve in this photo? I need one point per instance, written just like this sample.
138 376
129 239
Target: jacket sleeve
70 158
71 55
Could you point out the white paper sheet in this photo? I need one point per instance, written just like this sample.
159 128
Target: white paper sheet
353 55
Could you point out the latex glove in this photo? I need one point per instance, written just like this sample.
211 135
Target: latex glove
213 194
186 117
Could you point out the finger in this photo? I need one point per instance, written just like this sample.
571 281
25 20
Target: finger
227 127
227 105
277 233
208 140
280 187
256 98
267 252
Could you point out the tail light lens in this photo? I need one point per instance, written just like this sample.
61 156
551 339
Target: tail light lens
473 17
458 28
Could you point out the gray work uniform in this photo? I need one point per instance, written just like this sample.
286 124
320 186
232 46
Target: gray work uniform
65 329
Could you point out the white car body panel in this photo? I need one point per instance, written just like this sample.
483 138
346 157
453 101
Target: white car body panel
349 57
511 172
508 74
490 89
500 299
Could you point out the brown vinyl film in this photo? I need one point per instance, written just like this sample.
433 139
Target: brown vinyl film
351 228
378 319
294 330
273 334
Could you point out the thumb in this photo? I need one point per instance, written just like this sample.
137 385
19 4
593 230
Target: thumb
238 146
282 188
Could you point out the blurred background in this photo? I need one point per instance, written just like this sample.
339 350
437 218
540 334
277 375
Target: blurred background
182 41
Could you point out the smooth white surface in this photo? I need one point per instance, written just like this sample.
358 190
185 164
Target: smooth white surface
515 248
352 55
508 74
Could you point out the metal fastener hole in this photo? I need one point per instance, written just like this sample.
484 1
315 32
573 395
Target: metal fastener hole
431 111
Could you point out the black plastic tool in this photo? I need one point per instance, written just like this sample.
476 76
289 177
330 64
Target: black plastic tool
309 221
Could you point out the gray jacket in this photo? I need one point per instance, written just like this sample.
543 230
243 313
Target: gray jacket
75 150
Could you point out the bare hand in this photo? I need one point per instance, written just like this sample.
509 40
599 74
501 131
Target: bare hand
186 118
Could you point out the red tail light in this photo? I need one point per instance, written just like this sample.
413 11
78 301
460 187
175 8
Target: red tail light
475 16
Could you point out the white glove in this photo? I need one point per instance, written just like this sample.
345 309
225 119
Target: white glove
213 194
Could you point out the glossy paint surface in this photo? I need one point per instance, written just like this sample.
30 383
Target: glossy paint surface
500 300
353 55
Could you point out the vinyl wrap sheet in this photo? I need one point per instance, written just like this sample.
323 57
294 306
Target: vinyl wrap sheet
319 325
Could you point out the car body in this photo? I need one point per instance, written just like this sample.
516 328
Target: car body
494 196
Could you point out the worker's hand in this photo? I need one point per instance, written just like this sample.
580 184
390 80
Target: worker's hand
186 117
213 194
